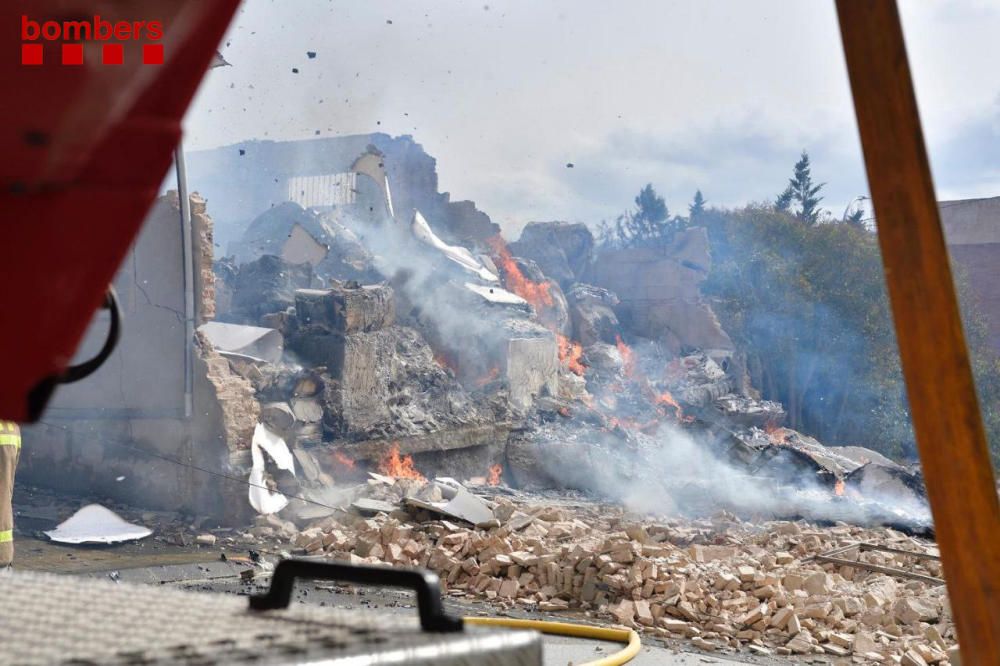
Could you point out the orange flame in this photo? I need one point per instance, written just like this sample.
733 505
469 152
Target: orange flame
493 373
495 473
838 488
665 399
540 296
536 293
397 466
571 353
777 435
339 457
628 356
446 361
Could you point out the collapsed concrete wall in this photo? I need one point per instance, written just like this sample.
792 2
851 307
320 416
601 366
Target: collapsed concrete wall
124 431
244 179
202 231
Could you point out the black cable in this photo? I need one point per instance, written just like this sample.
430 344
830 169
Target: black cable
132 447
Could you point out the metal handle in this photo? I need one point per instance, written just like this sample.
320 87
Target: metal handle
75 373
40 393
425 583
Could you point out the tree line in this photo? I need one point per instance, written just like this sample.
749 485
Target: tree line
802 294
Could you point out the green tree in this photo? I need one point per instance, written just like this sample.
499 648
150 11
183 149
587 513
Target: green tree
808 307
649 224
855 219
801 191
784 200
697 206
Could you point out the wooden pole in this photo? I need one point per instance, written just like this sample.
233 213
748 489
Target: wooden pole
946 419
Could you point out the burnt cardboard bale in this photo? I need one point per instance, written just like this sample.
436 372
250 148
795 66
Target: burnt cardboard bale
274 382
561 249
317 347
604 358
530 269
347 257
284 322
386 383
346 308
591 310
267 285
465 223
660 293
556 316
553 312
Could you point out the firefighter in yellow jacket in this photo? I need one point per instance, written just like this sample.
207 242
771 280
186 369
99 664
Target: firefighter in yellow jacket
10 449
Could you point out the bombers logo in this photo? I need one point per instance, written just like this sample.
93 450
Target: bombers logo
71 34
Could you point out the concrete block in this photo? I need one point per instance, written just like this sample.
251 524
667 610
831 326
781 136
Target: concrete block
346 310
532 367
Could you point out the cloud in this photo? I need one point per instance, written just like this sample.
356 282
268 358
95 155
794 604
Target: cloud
968 163
717 95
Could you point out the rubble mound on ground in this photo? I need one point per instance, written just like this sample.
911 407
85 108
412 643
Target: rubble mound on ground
722 583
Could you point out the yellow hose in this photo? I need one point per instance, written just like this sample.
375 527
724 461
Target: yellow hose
576 630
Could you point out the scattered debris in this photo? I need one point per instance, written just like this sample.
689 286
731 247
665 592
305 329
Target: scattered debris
97 524
460 504
841 556
251 341
262 498
723 583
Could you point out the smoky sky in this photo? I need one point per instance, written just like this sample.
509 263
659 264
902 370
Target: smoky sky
720 96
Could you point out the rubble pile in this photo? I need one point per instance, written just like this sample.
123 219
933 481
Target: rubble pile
386 343
720 582
457 348
362 375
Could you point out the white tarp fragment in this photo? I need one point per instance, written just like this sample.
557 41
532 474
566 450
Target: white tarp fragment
97 524
255 341
459 255
261 499
496 295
